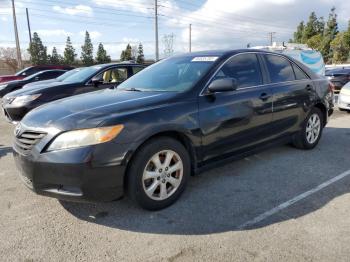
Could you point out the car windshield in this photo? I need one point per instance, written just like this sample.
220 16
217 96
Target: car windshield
68 74
174 74
20 72
82 75
32 76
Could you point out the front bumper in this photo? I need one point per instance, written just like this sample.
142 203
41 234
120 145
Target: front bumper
78 174
344 102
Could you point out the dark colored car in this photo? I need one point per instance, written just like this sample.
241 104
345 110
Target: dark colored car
58 79
16 104
8 87
32 70
339 77
175 118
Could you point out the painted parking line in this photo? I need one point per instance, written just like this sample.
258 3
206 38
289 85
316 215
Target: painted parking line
292 201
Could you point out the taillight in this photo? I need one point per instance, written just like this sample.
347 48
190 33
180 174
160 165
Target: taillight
331 87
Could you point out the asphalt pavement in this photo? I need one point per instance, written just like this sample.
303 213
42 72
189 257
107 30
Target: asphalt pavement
282 204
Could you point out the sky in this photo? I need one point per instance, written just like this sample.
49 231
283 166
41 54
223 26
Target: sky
216 24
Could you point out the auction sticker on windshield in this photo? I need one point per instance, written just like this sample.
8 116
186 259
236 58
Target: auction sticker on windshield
204 59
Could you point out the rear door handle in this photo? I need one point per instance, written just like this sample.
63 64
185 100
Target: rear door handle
264 96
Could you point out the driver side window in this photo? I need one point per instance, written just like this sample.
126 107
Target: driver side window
114 75
244 68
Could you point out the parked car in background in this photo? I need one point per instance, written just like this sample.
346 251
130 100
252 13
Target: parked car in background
339 77
344 98
18 103
8 87
176 117
32 70
57 79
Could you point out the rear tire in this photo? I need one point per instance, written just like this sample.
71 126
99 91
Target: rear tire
158 173
311 131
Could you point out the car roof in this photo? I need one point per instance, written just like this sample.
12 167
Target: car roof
129 63
228 52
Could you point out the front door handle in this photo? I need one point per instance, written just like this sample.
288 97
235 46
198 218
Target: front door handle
264 96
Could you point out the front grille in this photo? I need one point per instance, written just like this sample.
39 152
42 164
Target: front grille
28 139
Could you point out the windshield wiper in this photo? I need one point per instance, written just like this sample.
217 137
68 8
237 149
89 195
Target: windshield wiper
133 89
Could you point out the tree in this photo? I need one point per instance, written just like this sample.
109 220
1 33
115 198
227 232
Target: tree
134 52
9 56
55 58
126 54
311 28
340 47
330 33
37 51
101 56
69 52
87 51
315 42
298 35
140 56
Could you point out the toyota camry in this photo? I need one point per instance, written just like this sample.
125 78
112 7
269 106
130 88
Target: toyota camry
173 119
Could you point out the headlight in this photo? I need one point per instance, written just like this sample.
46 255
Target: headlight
2 87
85 137
22 100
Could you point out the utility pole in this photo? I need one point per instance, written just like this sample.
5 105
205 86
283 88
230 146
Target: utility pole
30 33
271 34
156 27
190 39
19 59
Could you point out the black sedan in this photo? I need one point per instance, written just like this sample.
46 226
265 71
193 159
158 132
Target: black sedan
171 120
339 77
8 87
16 104
57 79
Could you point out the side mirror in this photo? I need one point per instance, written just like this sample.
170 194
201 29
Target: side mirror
96 80
223 85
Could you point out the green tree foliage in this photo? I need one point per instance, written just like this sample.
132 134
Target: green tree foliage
311 28
101 56
340 46
140 56
325 37
87 49
69 52
315 42
55 58
298 35
37 51
330 32
126 54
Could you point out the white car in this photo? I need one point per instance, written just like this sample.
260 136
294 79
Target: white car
344 98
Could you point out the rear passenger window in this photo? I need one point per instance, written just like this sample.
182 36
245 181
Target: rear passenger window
280 69
244 68
299 74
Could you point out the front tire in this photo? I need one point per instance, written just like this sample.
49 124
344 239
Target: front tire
158 173
311 132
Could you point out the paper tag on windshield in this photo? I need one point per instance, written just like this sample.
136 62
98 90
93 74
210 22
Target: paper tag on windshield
204 59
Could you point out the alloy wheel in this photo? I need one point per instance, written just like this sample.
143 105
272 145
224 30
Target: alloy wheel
162 175
313 128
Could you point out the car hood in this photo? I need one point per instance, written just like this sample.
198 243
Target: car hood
37 89
92 109
40 83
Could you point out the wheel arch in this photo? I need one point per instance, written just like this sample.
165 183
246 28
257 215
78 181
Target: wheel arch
178 136
323 109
